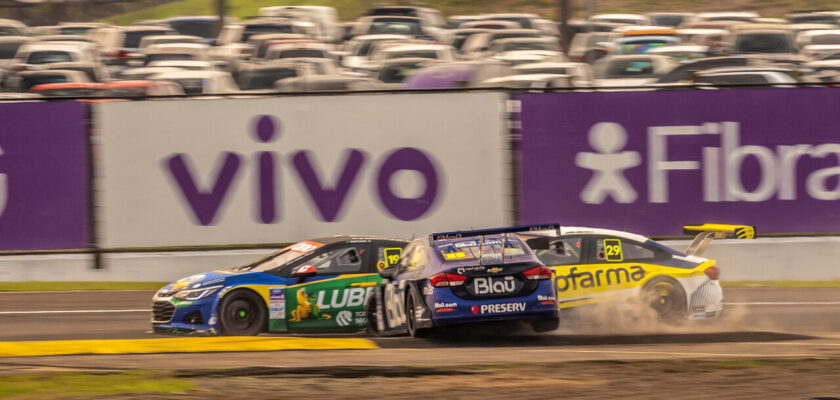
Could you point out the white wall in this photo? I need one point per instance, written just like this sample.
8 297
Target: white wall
769 259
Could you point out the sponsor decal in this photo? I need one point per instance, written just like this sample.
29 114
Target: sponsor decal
545 298
305 246
428 290
494 270
499 308
494 286
344 318
339 298
306 309
381 265
599 278
185 283
446 305
461 270
276 303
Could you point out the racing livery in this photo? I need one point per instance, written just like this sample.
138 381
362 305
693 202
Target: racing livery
594 265
465 277
318 285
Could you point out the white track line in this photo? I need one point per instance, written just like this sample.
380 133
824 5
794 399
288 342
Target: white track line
786 303
72 312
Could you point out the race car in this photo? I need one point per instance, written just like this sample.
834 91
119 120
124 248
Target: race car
594 265
317 285
462 278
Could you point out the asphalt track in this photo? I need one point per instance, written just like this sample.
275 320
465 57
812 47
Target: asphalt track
758 322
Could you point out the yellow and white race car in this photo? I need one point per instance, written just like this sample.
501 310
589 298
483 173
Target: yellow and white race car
595 265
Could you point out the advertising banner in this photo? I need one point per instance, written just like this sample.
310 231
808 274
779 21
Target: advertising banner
650 162
267 170
43 176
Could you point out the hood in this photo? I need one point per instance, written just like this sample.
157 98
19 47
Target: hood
196 281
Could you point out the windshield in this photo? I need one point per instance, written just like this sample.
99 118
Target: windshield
643 46
202 28
300 53
515 46
282 257
48 57
413 54
9 49
831 38
490 247
264 78
251 30
132 39
627 69
395 26
191 86
75 30
763 43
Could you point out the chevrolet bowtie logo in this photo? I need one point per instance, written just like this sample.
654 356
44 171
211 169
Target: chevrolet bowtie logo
494 270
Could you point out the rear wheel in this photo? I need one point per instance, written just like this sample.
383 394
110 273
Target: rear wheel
242 313
411 319
666 297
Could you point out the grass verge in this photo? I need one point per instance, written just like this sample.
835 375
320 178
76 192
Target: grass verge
83 385
61 286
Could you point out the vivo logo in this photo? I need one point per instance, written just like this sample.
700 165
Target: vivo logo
720 167
328 194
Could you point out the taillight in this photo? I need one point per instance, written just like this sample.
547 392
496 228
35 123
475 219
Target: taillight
538 273
21 68
120 54
713 273
444 280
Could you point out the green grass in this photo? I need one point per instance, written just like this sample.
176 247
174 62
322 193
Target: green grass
782 284
57 286
83 385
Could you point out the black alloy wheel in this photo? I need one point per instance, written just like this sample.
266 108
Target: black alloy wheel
242 313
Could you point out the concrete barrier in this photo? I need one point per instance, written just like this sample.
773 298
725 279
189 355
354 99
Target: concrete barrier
765 259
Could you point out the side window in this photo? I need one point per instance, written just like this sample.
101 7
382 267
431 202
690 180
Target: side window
561 251
387 257
617 250
339 261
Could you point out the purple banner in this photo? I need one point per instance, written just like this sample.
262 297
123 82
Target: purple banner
43 178
650 162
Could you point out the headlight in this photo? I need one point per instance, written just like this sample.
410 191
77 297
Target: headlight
197 294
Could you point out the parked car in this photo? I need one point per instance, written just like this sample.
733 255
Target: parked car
631 70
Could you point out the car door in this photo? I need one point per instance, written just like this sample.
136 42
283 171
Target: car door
610 267
334 298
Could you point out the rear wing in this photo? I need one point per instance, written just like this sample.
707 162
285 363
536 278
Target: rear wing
486 232
715 231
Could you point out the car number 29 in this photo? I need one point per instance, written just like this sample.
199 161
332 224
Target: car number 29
394 310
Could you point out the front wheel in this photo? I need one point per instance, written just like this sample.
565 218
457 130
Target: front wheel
242 313
666 297
411 319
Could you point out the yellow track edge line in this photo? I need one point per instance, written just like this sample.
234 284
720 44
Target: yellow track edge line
179 345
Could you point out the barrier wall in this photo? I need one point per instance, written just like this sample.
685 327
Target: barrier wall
43 176
268 170
650 162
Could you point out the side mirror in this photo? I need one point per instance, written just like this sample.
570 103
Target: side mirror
390 272
305 271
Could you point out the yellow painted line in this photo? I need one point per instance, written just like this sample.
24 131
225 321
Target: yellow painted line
178 345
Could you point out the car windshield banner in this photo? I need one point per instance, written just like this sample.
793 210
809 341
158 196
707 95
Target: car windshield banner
43 176
651 162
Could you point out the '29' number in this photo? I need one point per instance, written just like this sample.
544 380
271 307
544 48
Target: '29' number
612 248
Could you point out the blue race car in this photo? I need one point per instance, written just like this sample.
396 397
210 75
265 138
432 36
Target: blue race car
465 277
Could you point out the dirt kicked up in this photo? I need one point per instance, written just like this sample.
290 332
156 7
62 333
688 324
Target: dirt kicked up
684 379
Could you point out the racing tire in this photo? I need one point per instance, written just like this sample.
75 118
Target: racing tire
666 297
411 319
370 313
242 313
545 325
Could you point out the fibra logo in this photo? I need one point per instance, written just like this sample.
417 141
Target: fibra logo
329 199
722 168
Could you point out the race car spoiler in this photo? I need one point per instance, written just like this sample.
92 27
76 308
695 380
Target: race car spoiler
715 231
494 231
